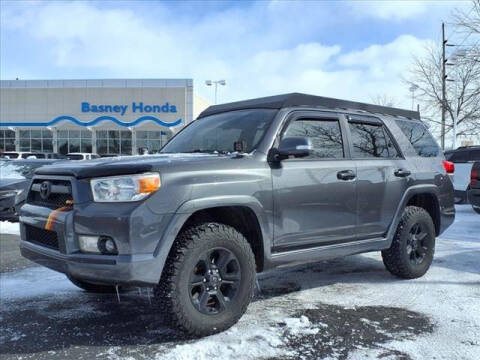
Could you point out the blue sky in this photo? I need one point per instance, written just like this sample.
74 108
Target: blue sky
347 49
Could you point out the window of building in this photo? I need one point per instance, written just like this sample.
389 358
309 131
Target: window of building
7 140
152 140
371 141
114 142
419 137
36 140
325 136
70 141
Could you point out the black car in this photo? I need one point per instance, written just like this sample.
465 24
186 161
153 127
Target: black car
14 181
474 188
246 187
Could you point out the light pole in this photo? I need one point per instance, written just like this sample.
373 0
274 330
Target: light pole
412 89
216 83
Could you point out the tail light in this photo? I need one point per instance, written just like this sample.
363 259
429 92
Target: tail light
449 166
474 176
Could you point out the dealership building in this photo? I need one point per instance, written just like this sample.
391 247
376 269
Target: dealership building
110 116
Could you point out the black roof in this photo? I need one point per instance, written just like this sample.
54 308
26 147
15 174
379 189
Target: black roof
299 99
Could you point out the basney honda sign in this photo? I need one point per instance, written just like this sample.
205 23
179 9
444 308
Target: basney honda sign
136 107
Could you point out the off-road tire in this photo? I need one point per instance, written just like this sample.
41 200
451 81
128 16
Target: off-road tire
476 209
172 293
396 258
92 288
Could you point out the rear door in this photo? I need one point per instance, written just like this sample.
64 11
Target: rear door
382 175
312 205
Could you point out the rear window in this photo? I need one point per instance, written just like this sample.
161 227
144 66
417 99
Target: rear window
459 157
420 138
474 155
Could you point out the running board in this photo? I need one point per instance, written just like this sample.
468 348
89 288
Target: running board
329 251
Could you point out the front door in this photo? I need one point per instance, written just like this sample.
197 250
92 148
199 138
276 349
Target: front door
314 200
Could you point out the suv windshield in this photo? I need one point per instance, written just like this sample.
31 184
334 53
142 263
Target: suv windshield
218 133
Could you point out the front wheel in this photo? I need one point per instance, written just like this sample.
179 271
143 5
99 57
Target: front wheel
476 209
411 252
208 279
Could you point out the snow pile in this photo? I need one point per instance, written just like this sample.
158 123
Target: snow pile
251 342
234 343
34 282
7 227
300 326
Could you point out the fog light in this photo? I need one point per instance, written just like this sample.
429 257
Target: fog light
107 245
88 243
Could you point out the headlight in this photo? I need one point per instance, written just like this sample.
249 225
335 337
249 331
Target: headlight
124 188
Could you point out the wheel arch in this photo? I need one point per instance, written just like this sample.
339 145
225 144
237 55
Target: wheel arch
424 196
239 212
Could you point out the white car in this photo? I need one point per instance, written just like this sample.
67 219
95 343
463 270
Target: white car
22 155
81 156
463 158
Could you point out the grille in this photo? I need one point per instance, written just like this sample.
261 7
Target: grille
61 192
41 237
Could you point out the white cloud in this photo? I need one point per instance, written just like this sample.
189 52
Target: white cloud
388 10
249 47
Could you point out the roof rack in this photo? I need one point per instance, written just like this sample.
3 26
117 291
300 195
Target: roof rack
299 99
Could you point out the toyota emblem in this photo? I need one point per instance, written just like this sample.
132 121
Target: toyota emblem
45 190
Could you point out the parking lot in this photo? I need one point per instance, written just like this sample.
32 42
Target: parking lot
346 308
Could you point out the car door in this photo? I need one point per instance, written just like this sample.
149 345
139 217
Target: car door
382 175
313 204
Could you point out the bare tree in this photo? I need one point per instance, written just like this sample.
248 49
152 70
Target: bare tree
463 92
469 20
383 100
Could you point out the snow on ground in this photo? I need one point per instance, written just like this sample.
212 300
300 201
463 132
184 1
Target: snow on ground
349 308
7 227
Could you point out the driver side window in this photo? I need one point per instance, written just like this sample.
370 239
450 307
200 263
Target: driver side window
325 135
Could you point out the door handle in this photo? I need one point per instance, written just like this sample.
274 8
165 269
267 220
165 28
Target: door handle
402 173
346 175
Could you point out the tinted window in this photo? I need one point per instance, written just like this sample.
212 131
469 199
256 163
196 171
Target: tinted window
371 141
419 137
325 136
474 155
459 157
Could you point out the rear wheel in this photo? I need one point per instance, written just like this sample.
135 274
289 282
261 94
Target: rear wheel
208 279
413 245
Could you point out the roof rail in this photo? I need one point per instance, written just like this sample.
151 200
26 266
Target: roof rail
299 99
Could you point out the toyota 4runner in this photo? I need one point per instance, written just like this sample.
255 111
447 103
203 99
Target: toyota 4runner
246 187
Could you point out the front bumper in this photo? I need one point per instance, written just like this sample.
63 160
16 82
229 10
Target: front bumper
136 231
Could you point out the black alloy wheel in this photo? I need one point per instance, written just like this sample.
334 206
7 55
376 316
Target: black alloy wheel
417 247
214 281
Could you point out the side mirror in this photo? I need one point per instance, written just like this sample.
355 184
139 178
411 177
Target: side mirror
297 146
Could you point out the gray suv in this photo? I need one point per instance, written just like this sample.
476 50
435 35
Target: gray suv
246 187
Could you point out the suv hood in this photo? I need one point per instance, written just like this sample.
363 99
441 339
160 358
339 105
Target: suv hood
119 165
